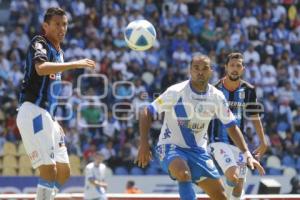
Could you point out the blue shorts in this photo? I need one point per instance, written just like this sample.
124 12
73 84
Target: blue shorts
199 161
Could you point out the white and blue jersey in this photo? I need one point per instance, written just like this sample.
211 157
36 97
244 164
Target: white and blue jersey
187 115
93 172
41 90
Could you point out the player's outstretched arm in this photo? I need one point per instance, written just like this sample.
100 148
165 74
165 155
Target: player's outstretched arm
144 153
262 148
238 139
46 68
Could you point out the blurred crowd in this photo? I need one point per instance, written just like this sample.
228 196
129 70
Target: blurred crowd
101 106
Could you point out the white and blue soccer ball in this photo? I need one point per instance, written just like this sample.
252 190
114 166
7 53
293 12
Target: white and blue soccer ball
140 35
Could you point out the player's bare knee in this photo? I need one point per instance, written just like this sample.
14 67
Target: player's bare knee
232 174
183 176
48 172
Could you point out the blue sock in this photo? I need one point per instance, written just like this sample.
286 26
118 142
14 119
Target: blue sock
57 186
186 191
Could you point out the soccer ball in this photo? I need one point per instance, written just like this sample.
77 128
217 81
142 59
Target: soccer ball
140 35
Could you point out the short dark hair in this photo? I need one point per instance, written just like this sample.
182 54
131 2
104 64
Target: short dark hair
235 55
130 183
52 12
199 56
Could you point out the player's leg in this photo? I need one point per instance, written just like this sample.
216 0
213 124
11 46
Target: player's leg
213 188
238 190
36 131
173 161
61 158
46 182
242 166
225 158
180 171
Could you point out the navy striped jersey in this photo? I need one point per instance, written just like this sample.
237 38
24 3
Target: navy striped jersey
242 103
41 90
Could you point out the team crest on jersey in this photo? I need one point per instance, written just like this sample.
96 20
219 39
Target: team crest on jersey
242 94
199 108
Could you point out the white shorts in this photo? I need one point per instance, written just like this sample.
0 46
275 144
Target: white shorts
227 155
41 135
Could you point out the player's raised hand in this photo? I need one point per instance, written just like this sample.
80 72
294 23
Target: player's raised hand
144 155
254 164
83 63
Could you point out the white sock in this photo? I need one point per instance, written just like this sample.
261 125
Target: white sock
235 198
44 193
229 186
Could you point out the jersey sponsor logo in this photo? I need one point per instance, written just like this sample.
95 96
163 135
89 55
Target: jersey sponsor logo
234 104
196 127
39 47
56 76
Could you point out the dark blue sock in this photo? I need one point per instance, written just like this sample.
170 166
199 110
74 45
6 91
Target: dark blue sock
186 191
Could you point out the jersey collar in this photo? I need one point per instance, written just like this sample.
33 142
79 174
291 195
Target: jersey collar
195 91
224 85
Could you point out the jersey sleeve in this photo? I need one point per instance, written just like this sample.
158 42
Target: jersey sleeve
89 174
252 106
39 49
224 113
163 103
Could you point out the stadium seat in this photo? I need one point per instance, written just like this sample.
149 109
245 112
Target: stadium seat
75 171
121 171
154 164
108 172
298 163
136 171
274 171
21 150
289 172
74 160
24 161
25 171
274 162
9 149
9 161
288 161
151 171
36 172
8 171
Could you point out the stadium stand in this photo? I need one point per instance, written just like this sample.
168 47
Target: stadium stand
267 32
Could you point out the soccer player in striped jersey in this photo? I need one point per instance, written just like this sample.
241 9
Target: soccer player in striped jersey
188 108
241 97
42 136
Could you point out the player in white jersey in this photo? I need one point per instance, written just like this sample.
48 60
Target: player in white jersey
95 185
188 108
